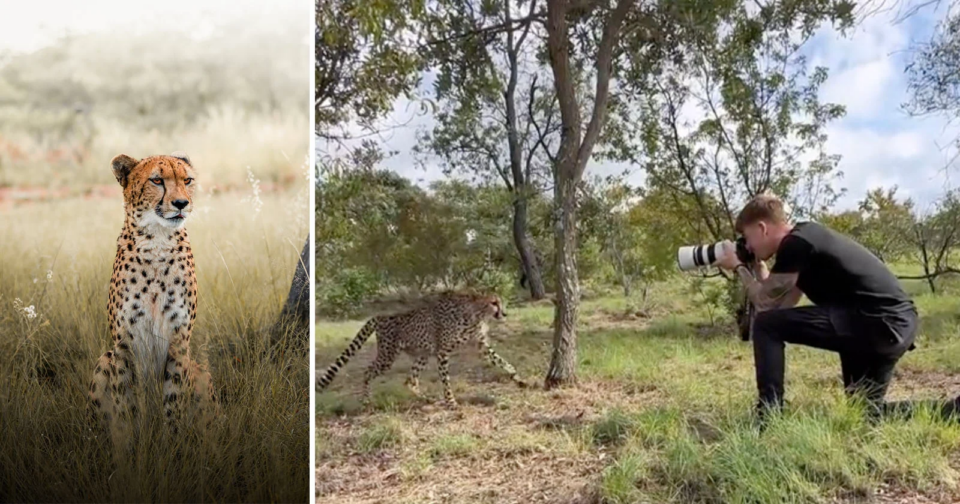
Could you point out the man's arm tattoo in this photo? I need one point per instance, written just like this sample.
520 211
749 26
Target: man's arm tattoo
777 291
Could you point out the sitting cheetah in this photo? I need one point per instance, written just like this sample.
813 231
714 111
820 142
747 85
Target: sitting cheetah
436 328
153 297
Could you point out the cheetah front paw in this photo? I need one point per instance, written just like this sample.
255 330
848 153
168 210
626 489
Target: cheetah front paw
414 387
520 383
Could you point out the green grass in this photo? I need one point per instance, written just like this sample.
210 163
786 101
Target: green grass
386 434
453 445
57 260
663 413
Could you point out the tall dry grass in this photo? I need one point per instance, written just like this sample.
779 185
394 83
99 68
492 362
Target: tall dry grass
220 143
55 265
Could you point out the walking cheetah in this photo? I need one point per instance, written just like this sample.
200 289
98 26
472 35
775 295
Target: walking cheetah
153 298
436 328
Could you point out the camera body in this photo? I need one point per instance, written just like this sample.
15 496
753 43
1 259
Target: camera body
745 255
698 256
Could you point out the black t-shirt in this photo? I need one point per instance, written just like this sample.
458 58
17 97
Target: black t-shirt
835 271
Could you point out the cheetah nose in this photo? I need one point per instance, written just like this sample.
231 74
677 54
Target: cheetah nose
180 204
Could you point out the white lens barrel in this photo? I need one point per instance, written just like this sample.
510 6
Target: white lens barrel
699 256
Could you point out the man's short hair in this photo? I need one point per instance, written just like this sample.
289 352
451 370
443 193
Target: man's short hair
762 207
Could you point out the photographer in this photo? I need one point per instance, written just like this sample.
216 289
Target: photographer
860 311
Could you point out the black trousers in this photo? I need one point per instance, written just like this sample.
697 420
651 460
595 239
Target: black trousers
869 348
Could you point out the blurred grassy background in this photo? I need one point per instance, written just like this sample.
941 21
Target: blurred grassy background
234 96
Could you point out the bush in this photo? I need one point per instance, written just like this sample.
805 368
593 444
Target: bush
346 290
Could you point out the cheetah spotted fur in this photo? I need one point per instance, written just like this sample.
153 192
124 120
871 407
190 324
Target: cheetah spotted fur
152 299
436 328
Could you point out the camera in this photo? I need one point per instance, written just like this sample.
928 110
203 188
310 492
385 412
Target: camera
698 256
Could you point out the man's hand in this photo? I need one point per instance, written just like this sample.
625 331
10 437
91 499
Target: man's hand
728 260
761 270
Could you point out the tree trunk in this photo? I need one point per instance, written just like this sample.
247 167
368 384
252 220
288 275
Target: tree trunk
296 310
563 363
922 242
528 259
575 151
624 278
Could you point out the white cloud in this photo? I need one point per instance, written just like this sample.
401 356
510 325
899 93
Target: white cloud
880 144
862 89
912 158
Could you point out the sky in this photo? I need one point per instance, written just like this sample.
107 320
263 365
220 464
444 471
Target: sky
879 144
29 25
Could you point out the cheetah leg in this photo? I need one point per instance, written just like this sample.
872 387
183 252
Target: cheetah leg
443 367
174 374
100 396
111 396
385 357
203 393
494 359
414 380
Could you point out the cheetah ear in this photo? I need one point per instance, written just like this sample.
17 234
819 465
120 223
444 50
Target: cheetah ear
182 156
122 165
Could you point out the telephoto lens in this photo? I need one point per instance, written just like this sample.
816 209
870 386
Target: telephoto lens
699 256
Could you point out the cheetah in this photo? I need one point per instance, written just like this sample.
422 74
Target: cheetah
152 298
436 328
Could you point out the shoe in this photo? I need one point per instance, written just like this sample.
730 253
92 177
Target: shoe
763 412
951 409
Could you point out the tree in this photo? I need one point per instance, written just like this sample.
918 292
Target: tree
886 224
576 147
733 118
606 211
935 236
364 58
296 310
482 52
732 112
934 73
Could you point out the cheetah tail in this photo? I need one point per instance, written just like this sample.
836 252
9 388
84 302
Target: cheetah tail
369 328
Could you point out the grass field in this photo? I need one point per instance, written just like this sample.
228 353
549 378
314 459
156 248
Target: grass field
55 265
663 413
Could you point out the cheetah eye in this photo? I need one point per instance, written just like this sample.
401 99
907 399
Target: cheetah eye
157 180
187 181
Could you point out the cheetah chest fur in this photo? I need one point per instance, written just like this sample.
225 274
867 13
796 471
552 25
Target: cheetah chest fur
154 292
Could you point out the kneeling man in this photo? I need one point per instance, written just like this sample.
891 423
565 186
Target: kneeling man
859 309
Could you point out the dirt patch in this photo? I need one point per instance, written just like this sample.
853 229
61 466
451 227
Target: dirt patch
490 477
913 383
893 494
515 453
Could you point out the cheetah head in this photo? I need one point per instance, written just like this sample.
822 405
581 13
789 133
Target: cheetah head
495 306
158 190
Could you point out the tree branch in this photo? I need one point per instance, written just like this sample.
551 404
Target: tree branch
929 276
604 69
496 29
